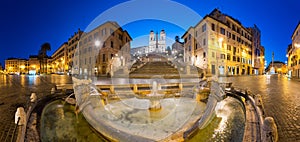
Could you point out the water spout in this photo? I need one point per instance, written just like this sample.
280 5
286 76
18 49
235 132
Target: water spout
154 98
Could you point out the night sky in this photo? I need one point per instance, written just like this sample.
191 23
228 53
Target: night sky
27 24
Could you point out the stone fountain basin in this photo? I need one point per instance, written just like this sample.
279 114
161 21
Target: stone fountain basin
130 119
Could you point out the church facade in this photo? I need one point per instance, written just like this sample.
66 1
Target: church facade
157 44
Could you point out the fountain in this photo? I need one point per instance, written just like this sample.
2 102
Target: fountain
154 98
154 116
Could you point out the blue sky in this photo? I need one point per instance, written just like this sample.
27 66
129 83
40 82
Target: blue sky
25 25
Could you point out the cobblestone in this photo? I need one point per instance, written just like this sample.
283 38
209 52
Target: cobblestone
15 92
281 99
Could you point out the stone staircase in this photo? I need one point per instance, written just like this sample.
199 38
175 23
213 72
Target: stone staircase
159 68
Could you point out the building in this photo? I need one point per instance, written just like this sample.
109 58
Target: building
222 46
62 59
138 51
279 67
157 43
177 49
72 45
293 54
258 51
33 64
97 49
59 60
16 66
1 68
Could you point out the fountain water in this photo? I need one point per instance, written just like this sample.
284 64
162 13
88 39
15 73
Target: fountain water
155 98
70 100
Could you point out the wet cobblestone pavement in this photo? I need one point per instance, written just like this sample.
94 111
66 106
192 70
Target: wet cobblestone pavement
281 99
15 91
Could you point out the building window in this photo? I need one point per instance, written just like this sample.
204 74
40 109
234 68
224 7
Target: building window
190 36
233 58
112 44
111 56
204 54
196 46
222 56
213 70
228 47
103 57
96 35
204 28
196 33
120 37
103 32
233 36
222 30
112 32
204 42
190 48
228 34
228 57
213 26
213 54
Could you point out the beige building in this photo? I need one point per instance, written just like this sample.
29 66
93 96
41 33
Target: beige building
62 58
59 60
279 67
258 51
98 47
1 68
16 66
72 45
222 46
177 50
33 64
293 54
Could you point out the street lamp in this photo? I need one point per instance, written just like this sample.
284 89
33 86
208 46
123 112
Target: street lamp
97 43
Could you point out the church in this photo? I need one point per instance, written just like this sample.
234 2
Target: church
157 44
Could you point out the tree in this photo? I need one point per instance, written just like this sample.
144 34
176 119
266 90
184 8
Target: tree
42 55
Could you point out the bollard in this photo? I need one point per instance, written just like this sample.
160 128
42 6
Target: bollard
269 130
20 114
33 97
258 100
53 91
